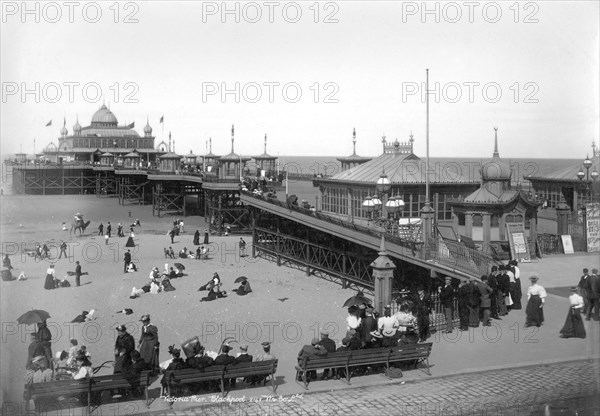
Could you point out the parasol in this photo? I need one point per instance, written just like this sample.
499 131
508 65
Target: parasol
356 300
34 316
240 279
179 266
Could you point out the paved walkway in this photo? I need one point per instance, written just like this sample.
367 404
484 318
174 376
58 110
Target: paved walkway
520 391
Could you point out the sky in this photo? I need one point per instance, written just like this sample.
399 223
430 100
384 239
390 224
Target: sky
308 73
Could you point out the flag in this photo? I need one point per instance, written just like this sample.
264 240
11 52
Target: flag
130 126
49 123
162 119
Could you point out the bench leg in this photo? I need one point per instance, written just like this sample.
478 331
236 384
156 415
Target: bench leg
273 382
223 386
89 403
348 374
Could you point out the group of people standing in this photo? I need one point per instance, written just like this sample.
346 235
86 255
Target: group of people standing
582 301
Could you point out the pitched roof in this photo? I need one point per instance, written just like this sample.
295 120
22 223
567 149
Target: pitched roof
568 174
400 169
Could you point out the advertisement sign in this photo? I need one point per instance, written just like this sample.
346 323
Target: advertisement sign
519 249
592 227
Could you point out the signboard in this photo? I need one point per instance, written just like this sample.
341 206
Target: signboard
519 248
567 244
592 227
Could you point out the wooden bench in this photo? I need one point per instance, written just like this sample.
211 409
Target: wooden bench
419 353
88 387
220 373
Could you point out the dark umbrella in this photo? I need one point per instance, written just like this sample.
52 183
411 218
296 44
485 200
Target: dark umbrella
240 279
292 199
179 266
33 317
356 300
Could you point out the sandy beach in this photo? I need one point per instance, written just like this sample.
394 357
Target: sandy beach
286 307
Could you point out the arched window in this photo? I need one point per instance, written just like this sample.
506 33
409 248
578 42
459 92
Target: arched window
477 220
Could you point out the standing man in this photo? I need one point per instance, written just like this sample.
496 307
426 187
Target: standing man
101 229
108 229
593 295
242 247
485 302
493 283
172 235
63 250
149 342
126 260
77 273
447 300
583 290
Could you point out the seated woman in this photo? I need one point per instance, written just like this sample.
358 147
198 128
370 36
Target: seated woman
131 267
177 363
166 285
84 366
408 325
63 370
244 288
183 253
154 287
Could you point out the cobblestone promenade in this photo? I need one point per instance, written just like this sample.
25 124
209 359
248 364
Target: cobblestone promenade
520 391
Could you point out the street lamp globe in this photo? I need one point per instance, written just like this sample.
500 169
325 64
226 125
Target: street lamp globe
587 163
368 204
580 174
383 183
594 174
376 203
394 205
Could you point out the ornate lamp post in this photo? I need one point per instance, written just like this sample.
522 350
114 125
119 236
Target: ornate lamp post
587 164
391 205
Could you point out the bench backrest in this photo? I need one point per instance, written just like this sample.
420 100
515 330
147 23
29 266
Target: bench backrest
334 359
251 368
411 351
214 372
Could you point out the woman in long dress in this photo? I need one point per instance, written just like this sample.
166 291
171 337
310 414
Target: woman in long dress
573 327
197 238
536 296
50 278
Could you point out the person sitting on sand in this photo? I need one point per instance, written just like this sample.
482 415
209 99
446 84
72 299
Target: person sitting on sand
244 288
131 267
166 285
183 253
6 262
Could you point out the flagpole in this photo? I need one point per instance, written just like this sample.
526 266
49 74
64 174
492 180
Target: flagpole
286 186
427 137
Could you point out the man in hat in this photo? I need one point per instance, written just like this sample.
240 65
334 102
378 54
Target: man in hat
368 325
352 341
224 358
329 346
126 260
242 357
63 250
583 289
593 295
447 301
485 302
267 353
148 342
78 273
124 346
307 352
133 372
36 349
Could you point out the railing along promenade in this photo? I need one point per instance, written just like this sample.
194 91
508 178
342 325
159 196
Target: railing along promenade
447 257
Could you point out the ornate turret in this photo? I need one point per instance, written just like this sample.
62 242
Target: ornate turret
64 131
496 169
77 128
353 159
147 129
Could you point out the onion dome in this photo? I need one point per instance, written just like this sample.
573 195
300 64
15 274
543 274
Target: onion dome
148 129
105 116
496 169
77 127
64 131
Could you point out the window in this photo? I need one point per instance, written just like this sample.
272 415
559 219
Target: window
477 220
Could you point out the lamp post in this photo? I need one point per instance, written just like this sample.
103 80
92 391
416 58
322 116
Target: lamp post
391 205
587 164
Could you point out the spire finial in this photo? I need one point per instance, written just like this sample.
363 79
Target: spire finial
232 138
353 141
411 137
169 141
496 154
265 143
382 246
210 144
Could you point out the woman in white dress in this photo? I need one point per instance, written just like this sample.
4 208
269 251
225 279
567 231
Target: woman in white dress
536 296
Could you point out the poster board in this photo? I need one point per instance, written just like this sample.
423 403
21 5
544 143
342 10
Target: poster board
592 227
519 247
567 244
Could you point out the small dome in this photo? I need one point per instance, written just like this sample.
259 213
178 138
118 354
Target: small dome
496 169
77 127
148 129
104 115
64 131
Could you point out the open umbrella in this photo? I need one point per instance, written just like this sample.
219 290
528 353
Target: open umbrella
34 316
356 300
179 266
240 279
